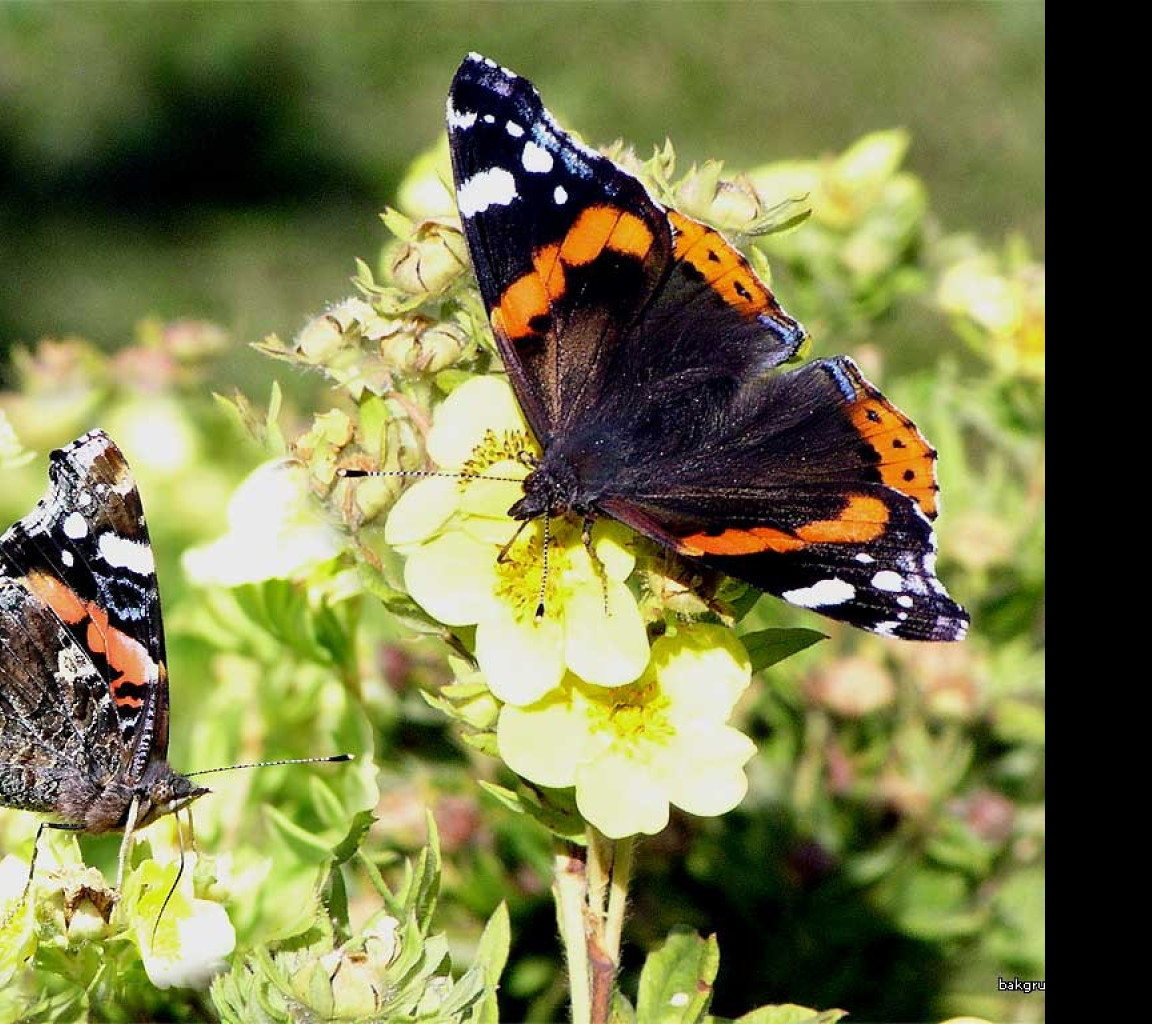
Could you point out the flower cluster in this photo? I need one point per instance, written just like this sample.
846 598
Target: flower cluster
587 702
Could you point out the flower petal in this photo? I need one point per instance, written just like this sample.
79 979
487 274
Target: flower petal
703 669
620 797
453 578
422 510
546 740
522 659
493 498
475 407
608 650
704 770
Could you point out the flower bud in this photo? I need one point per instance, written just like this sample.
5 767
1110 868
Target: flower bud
431 260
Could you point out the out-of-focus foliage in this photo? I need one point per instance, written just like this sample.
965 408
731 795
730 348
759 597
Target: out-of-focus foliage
888 858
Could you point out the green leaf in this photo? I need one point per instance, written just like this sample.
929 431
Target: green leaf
307 847
621 1010
676 982
344 850
336 899
790 1013
767 647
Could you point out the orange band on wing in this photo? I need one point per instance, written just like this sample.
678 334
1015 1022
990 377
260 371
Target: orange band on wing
862 519
605 227
721 266
58 596
529 298
125 655
907 461
524 299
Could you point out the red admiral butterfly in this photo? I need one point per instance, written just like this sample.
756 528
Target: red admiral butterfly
641 347
83 681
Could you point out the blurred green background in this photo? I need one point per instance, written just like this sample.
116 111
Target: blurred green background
227 160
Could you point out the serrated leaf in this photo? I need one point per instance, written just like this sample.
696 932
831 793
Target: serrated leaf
676 982
767 647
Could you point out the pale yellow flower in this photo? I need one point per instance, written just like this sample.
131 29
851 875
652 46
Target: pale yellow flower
634 750
452 531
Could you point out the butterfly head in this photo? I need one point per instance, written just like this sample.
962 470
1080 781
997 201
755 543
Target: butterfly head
552 489
163 791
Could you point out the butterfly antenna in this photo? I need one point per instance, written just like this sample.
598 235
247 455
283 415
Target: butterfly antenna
544 569
353 474
273 764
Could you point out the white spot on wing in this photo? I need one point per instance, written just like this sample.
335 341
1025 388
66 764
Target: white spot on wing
888 580
865 559
460 120
489 118
121 553
75 526
904 601
536 159
821 594
68 558
493 187
514 129
560 195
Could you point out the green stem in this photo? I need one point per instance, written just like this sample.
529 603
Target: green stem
618 896
570 891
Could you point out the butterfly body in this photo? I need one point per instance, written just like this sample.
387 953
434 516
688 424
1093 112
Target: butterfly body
647 357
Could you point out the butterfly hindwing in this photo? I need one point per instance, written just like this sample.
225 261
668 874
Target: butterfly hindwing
58 723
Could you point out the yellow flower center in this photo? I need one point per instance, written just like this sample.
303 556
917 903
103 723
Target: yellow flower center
509 445
518 575
634 715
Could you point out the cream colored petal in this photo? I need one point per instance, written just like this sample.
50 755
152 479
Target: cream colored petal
620 797
606 649
703 669
522 659
704 773
494 532
422 510
482 497
612 543
453 578
545 741
459 425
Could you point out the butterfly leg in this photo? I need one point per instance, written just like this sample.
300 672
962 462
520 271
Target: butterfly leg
597 564
129 828
503 556
32 866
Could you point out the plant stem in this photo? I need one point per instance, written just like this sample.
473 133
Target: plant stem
570 891
618 896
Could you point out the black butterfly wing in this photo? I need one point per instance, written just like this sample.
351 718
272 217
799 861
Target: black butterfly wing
817 490
84 552
572 255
